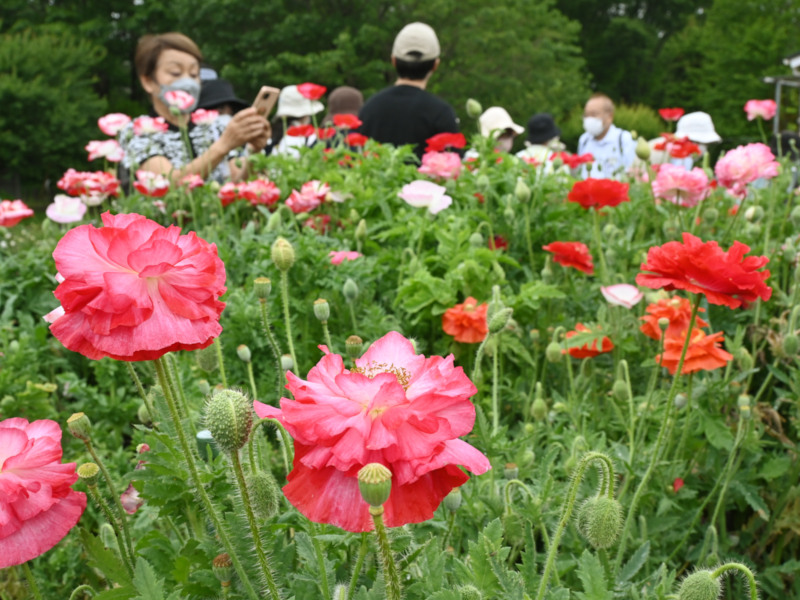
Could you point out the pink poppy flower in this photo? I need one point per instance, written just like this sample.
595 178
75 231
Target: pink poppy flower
228 193
396 408
622 294
260 191
204 117
148 125
37 505
679 186
65 209
444 165
299 202
192 181
761 109
12 212
130 499
743 165
112 123
423 193
180 100
134 290
92 188
154 185
316 188
312 91
338 257
108 149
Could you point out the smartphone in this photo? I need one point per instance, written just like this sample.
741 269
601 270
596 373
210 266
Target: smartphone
265 99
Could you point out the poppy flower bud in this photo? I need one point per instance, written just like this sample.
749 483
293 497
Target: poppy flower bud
663 323
453 500
509 215
513 526
671 228
535 335
553 352
791 344
282 254
204 387
275 221
322 310
680 401
700 585
710 215
539 408
89 473
265 493
375 484
522 191
207 358
511 471
642 149
476 240
499 320
743 402
474 108
743 357
229 415
262 287
80 426
620 390
361 231
794 216
600 521
754 214
470 592
287 363
482 183
143 415
243 352
108 537
214 186
222 566
353 345
350 290
610 231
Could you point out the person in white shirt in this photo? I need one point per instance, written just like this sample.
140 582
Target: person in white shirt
614 149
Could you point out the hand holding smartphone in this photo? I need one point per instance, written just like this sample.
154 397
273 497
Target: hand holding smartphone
265 99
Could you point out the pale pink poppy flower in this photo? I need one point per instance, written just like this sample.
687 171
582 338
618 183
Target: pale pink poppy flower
181 100
760 109
12 212
66 209
192 181
316 188
108 149
160 206
37 503
338 257
204 117
299 202
743 165
151 184
622 294
148 125
112 123
423 193
445 165
260 191
679 186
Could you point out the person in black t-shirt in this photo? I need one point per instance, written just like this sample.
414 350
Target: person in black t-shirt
405 113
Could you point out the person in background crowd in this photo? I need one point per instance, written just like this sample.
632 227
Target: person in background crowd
495 122
614 149
406 113
344 100
697 127
293 109
169 62
218 94
544 138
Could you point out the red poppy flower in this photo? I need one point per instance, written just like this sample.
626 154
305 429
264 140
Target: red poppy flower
442 141
573 161
325 133
312 91
356 140
394 407
481 198
598 193
301 131
259 191
466 322
727 278
37 505
589 349
347 121
703 354
572 254
677 485
319 223
13 211
134 290
676 310
498 242
671 114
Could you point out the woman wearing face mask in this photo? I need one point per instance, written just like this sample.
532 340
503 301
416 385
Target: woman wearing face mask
171 62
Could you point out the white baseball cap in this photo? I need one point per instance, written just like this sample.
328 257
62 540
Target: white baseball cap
416 42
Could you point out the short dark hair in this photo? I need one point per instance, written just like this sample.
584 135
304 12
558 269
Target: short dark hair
416 71
150 48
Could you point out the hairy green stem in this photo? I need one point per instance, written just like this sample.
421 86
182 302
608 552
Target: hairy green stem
127 559
734 566
323 573
495 389
391 575
286 319
362 553
31 581
147 404
476 370
218 346
273 345
81 588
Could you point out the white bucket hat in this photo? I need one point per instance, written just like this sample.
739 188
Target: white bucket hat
495 120
291 103
698 127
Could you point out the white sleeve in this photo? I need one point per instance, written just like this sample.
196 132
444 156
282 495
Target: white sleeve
628 149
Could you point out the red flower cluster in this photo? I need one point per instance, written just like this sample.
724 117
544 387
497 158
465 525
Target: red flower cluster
587 350
91 187
704 352
671 114
676 310
347 121
677 147
598 193
301 130
573 161
466 322
356 140
312 91
572 254
442 141
725 277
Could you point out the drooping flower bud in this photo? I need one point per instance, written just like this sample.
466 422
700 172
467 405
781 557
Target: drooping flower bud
375 484
743 402
274 222
539 408
80 426
350 290
710 215
144 415
207 358
499 320
361 231
511 471
89 473
743 357
642 149
322 310
754 214
204 387
482 183
601 520
108 536
470 592
553 352
262 287
353 345
522 191
474 108
680 401
620 390
243 352
700 585
453 500
791 345
229 416
222 566
476 240
265 493
513 526
287 364
794 216
282 254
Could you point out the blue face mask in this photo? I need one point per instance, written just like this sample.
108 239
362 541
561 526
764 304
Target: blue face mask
184 84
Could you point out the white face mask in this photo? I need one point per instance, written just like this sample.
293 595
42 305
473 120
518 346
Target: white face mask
593 126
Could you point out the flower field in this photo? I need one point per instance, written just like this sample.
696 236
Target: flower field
359 377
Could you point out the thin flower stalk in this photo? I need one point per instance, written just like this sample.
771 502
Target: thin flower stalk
142 394
362 553
127 559
390 573
286 318
734 566
273 345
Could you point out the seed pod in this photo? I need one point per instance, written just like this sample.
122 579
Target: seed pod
262 287
89 473
243 352
353 345
283 254
453 500
375 484
322 310
80 426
